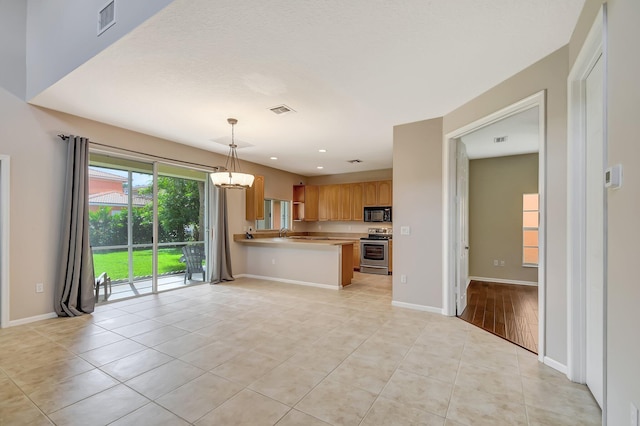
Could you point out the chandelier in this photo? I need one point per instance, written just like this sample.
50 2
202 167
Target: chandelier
230 175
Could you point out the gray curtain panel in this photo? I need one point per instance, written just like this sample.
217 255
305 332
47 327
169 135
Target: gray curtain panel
219 257
74 292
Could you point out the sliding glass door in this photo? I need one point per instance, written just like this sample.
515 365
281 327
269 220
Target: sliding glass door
126 211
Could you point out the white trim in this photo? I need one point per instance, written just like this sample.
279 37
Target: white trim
29 320
505 281
5 199
286 281
555 365
448 205
576 188
415 307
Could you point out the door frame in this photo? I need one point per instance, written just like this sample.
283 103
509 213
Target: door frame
5 199
449 246
593 48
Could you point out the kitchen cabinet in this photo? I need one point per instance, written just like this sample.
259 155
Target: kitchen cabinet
345 201
378 193
305 203
254 200
357 211
328 202
356 255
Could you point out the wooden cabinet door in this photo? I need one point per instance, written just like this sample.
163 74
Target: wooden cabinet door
345 201
370 195
254 200
334 202
385 197
357 192
311 203
323 202
356 255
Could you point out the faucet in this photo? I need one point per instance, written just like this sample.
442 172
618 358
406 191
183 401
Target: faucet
283 232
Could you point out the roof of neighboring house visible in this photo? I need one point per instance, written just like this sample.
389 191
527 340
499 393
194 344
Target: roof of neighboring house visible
99 174
114 198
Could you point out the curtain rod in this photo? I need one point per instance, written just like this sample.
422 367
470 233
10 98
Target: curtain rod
214 168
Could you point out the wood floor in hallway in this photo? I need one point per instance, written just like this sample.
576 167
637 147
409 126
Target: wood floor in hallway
506 310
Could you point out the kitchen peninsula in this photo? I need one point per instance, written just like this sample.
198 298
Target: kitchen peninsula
312 261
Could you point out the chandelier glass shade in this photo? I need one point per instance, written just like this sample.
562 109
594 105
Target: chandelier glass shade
230 175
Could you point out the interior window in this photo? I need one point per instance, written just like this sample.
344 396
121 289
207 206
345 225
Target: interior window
530 220
276 215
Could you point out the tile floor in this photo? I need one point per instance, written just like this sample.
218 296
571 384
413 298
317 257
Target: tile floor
255 352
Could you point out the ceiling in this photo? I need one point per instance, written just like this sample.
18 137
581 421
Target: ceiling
520 132
350 70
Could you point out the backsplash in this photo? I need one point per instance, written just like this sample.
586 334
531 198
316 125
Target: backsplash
355 227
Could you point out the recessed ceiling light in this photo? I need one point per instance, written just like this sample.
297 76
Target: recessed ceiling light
273 158
320 167
322 150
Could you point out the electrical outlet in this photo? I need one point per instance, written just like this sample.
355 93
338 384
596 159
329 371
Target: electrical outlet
502 263
403 279
39 288
634 415
495 262
273 261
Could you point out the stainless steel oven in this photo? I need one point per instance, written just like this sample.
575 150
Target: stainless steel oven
374 251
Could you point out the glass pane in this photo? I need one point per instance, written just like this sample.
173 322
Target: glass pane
530 219
531 255
180 210
108 202
142 203
530 238
530 202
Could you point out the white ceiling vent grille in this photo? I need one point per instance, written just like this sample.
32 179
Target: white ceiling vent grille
281 109
500 139
107 17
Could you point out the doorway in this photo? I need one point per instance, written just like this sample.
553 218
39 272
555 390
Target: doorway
4 241
453 243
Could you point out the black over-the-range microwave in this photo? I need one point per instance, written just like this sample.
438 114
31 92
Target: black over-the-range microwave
377 214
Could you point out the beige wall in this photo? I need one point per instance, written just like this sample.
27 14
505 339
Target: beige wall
549 74
623 294
496 186
417 203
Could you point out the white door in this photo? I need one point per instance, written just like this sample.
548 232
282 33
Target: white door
462 196
595 237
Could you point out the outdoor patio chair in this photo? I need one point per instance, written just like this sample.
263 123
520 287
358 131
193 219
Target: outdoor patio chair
193 258
105 281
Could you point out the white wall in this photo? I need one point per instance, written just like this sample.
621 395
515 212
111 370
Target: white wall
62 35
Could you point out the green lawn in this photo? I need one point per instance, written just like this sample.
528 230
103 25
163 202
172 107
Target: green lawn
116 264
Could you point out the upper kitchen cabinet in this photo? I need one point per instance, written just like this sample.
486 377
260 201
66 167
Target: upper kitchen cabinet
378 193
305 203
254 197
345 201
357 193
328 202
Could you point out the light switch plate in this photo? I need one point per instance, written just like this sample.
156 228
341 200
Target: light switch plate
405 230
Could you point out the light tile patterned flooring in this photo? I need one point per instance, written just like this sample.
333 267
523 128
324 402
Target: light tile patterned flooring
255 352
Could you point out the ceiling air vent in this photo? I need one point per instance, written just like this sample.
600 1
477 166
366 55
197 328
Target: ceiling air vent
356 161
107 17
281 109
500 139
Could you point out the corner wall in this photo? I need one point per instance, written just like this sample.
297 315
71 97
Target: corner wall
417 202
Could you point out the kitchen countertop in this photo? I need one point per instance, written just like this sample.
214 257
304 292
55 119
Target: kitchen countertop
301 242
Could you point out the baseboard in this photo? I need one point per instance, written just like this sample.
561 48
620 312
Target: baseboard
504 281
555 365
28 320
416 307
286 281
